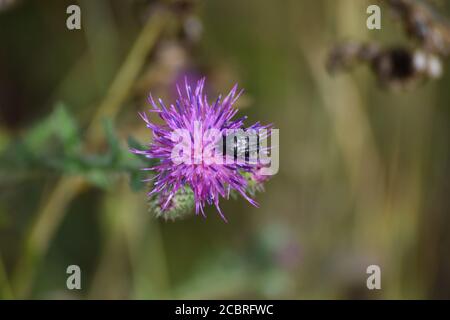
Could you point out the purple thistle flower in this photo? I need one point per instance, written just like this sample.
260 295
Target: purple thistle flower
208 180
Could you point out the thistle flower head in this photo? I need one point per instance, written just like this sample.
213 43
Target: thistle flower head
186 147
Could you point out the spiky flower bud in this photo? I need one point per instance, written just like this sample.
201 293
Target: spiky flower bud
181 205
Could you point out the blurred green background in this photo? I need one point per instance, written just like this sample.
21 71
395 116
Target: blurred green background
364 172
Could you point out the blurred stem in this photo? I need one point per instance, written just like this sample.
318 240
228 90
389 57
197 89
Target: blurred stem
134 237
65 190
102 40
353 132
5 286
109 281
364 166
123 82
149 262
46 223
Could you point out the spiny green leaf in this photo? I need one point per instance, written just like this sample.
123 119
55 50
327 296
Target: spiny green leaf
134 143
66 129
112 141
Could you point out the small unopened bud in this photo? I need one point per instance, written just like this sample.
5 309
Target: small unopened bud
179 206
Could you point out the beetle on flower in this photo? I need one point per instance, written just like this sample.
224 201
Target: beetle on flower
188 146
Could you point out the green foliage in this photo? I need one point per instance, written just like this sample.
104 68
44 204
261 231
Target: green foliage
55 145
136 176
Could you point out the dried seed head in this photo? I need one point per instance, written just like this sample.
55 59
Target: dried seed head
396 64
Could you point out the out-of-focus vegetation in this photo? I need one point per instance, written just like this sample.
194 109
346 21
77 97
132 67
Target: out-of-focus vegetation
363 171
